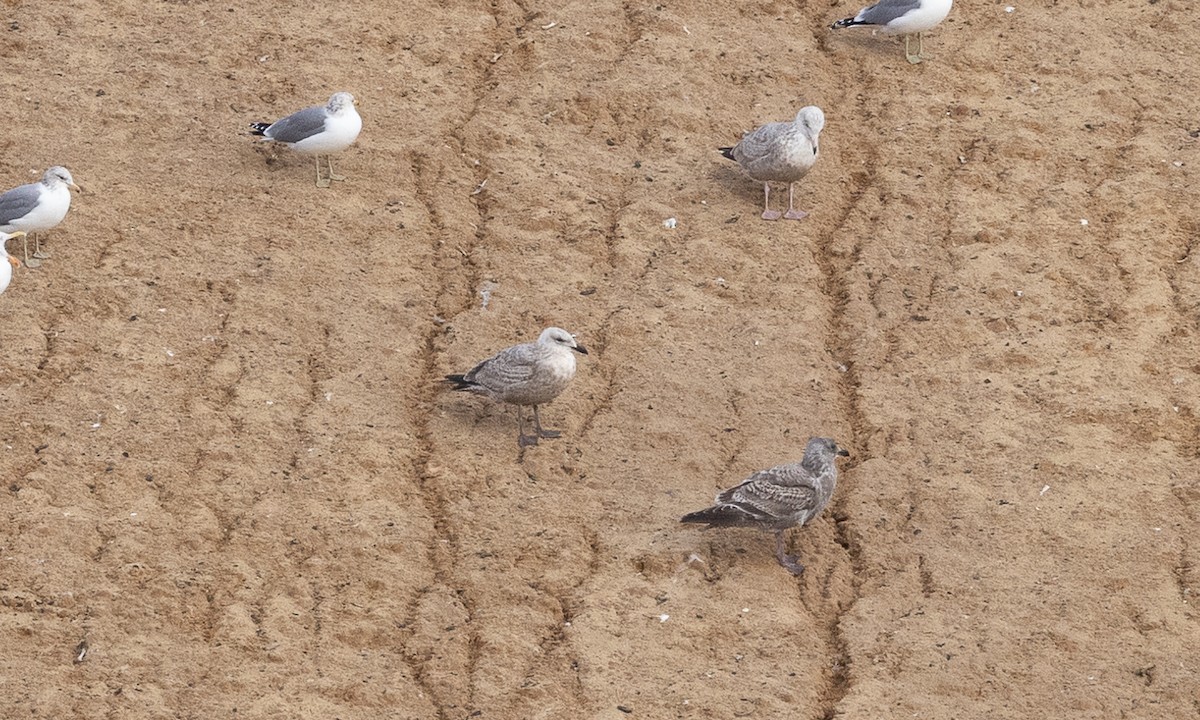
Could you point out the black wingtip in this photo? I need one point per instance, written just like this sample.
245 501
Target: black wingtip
727 152
460 382
844 23
259 128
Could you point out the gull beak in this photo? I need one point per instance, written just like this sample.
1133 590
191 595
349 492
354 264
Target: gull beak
75 187
580 349
14 262
843 452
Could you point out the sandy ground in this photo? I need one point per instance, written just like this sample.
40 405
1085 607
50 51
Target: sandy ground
230 471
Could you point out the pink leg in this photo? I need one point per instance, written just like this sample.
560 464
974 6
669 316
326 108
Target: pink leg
790 562
793 213
768 213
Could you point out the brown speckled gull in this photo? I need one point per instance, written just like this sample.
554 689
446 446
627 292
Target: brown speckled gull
780 152
526 374
780 498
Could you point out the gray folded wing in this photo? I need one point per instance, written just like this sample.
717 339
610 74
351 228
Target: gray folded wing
774 494
886 11
759 153
299 125
506 370
17 203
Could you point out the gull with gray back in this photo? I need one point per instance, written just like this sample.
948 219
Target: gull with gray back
526 374
780 152
37 207
782 497
901 17
320 130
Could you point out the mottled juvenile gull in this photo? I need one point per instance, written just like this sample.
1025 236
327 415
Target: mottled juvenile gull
780 498
317 130
8 262
907 17
37 207
780 152
526 374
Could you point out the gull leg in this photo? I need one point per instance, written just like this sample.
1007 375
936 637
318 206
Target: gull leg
29 262
537 424
524 440
321 182
768 213
332 176
792 213
914 59
789 562
38 252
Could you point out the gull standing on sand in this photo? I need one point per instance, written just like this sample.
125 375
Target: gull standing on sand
780 498
317 130
780 152
907 17
8 262
37 207
526 374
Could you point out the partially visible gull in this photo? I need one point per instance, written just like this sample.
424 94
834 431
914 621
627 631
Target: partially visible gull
317 130
907 17
37 207
780 152
780 498
8 262
526 374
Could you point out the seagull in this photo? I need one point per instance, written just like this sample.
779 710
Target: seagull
780 498
8 263
526 374
317 130
780 152
36 207
910 17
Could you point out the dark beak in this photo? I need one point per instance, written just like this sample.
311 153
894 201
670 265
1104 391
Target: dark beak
843 452
580 349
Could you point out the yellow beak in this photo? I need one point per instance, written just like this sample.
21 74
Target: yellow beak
75 187
14 262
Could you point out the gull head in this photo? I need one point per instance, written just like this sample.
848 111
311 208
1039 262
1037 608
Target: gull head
823 448
555 336
339 102
59 174
812 119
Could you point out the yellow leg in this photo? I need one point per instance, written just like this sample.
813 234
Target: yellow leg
38 252
914 59
332 175
321 182
30 262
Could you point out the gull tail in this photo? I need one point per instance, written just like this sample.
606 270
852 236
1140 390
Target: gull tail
848 22
720 516
461 382
259 128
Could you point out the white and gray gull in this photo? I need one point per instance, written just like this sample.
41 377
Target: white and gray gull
896 17
782 497
7 262
37 207
780 152
526 374
317 130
